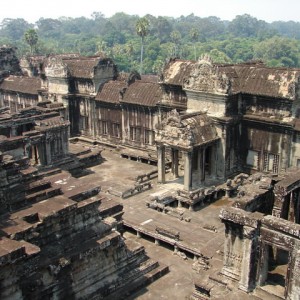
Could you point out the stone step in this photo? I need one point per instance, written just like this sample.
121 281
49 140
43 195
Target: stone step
44 194
262 293
143 278
37 186
81 152
50 172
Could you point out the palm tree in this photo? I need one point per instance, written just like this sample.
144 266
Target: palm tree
175 38
194 34
142 29
31 38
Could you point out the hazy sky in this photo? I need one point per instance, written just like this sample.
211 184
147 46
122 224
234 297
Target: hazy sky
268 10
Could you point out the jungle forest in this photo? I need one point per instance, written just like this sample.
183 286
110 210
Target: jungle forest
146 43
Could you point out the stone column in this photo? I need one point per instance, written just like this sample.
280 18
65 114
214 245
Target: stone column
65 141
248 269
291 216
199 165
297 215
203 165
187 170
213 161
48 152
93 118
175 163
13 131
161 164
41 151
263 264
279 200
123 132
293 289
232 250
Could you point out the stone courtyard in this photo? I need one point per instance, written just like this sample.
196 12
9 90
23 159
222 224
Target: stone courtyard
196 256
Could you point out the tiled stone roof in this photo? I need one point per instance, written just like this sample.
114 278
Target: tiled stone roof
110 91
25 85
84 67
143 93
247 78
176 70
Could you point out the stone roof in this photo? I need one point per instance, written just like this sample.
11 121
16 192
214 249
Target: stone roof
143 93
21 84
150 78
176 71
84 67
187 131
54 122
247 78
110 91
261 80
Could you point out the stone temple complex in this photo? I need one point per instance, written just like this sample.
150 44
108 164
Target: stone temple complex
126 186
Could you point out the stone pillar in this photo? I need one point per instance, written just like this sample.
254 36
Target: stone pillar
203 166
297 205
232 251
65 141
291 216
248 268
123 132
138 234
279 200
263 264
293 289
161 164
157 242
199 165
175 163
187 170
13 131
213 161
42 156
48 153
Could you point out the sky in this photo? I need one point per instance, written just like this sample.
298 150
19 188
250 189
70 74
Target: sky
268 10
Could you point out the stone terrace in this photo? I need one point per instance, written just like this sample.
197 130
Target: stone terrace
201 233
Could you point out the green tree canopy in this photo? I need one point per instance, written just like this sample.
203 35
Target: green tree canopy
31 38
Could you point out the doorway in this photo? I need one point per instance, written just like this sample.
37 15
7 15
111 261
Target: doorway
276 279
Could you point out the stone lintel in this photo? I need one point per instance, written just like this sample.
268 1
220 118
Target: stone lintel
240 217
281 225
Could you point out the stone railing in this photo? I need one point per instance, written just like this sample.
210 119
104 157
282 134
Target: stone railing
168 232
138 188
146 177
193 197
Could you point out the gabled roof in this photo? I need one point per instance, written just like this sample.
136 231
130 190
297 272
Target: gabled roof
187 131
248 78
143 93
84 67
45 124
273 82
21 84
176 71
110 92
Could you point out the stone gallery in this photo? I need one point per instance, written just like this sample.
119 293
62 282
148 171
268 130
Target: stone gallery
211 155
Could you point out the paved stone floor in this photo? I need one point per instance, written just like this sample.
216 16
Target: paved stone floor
118 174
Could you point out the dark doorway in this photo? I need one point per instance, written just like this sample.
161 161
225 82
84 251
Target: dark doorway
277 270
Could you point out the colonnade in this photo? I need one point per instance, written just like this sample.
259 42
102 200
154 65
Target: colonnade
187 156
